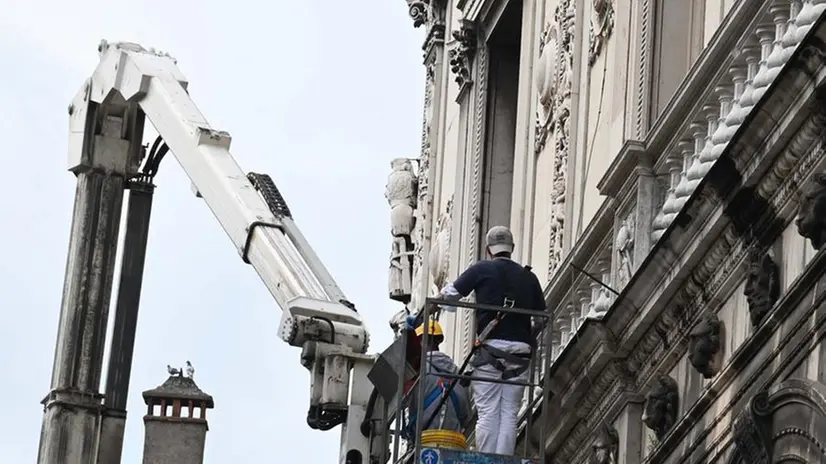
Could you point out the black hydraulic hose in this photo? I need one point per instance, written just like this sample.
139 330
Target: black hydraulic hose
371 406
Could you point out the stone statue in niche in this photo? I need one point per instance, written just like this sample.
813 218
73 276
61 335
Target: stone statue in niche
762 285
401 194
625 249
811 218
601 27
606 446
704 344
440 248
662 406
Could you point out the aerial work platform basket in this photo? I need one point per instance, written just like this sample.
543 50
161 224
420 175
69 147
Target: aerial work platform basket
435 446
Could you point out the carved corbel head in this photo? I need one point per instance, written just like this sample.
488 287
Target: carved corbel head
662 406
811 218
762 287
704 342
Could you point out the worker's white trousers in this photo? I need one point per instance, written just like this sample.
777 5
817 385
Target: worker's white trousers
498 404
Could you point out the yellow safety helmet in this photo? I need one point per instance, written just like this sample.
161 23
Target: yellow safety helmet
435 329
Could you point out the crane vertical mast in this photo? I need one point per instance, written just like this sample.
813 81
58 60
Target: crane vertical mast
107 117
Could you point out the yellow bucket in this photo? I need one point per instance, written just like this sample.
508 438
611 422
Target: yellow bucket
439 438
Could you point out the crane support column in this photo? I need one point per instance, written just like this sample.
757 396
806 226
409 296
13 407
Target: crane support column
122 345
72 407
102 157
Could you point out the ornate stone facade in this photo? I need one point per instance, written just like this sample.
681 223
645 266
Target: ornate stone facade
696 283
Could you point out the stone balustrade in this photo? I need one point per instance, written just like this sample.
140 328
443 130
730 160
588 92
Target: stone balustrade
777 31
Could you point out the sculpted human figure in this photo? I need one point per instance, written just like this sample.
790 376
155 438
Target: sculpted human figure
401 194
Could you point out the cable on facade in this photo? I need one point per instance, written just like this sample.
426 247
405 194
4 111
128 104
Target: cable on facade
590 154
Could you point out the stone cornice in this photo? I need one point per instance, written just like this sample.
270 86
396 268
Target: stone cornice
631 155
699 252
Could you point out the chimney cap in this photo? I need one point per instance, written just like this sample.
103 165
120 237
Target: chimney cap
180 388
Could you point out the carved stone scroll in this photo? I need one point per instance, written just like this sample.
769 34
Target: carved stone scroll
402 186
601 27
811 219
784 425
704 345
762 285
662 406
751 434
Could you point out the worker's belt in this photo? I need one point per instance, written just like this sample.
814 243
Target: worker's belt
490 356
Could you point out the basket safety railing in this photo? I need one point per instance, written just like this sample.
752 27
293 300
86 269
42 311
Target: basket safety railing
540 355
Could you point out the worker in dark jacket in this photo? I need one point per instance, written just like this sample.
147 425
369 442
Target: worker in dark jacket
505 352
455 414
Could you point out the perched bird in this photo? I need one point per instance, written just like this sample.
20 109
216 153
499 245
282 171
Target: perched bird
190 371
172 370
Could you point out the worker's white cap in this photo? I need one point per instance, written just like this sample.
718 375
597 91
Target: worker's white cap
499 239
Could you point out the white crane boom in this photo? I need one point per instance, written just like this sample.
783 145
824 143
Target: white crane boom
106 128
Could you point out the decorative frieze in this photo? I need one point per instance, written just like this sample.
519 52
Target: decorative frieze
600 28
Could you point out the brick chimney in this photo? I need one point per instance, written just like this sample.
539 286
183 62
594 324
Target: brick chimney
175 422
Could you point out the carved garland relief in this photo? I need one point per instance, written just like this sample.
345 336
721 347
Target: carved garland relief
553 82
418 280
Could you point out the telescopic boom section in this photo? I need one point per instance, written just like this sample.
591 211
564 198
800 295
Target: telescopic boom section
255 219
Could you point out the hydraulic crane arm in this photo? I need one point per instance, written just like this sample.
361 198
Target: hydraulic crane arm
266 239
131 83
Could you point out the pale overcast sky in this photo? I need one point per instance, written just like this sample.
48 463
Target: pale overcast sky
321 94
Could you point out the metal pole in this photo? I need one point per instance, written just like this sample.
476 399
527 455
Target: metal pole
529 402
399 400
122 345
546 393
72 407
417 449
